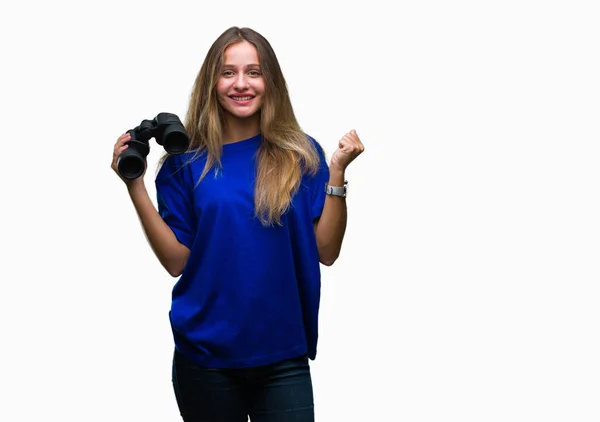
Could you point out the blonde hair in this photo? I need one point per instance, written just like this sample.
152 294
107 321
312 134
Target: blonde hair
285 153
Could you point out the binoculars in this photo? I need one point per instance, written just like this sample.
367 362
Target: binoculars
168 131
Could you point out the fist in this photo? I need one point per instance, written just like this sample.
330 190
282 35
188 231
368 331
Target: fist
349 147
120 146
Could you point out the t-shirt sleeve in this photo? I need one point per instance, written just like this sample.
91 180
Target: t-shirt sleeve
175 201
318 183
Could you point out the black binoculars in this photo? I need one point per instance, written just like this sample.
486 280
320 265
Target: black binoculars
168 131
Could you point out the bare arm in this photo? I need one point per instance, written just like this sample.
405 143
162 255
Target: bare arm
170 252
331 226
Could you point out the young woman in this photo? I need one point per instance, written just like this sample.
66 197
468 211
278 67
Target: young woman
244 219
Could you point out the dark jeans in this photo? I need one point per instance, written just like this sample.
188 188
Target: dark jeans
281 392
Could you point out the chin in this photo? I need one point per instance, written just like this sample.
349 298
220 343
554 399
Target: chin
244 115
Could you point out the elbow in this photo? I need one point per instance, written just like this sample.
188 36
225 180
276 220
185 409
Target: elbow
328 254
175 269
175 264
174 272
328 251
328 260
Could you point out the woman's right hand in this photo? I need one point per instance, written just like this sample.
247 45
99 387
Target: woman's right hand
120 146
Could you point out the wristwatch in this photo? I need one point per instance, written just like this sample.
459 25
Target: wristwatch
337 190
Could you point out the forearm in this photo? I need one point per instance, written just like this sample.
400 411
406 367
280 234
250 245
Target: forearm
331 226
170 252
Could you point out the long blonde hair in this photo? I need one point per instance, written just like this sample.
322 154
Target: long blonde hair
285 154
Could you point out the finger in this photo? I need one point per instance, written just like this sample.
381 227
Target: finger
345 143
122 139
360 145
121 143
352 139
349 147
118 151
351 136
356 140
354 135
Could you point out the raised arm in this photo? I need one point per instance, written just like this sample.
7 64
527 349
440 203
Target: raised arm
331 226
170 252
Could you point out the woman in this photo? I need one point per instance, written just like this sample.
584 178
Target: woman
245 218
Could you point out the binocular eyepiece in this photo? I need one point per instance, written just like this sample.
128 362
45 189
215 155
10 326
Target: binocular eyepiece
168 131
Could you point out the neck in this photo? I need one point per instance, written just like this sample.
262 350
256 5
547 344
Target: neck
239 129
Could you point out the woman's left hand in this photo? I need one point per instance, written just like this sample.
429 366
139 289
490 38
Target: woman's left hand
349 148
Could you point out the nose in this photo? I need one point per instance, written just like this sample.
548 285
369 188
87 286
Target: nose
240 82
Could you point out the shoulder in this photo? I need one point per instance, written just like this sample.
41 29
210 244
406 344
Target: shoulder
316 166
175 166
312 139
322 156
316 145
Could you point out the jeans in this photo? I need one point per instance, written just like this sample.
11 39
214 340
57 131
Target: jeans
280 392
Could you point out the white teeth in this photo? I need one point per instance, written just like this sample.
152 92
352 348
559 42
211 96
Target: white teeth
242 98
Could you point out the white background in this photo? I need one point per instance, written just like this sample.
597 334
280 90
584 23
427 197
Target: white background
468 285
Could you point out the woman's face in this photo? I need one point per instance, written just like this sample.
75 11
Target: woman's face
241 85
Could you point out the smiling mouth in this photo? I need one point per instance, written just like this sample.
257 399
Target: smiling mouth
245 98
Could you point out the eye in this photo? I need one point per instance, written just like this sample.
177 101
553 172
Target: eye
227 73
254 73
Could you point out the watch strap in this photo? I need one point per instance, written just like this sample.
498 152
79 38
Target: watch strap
337 190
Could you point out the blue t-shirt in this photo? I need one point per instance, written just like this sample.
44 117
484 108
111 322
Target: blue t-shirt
248 295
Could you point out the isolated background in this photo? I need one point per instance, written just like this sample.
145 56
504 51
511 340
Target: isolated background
468 285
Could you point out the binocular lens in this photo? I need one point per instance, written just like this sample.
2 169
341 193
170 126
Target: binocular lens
175 141
131 164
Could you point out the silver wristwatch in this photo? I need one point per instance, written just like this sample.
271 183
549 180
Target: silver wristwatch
337 190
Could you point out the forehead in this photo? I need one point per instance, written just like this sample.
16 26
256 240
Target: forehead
240 53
